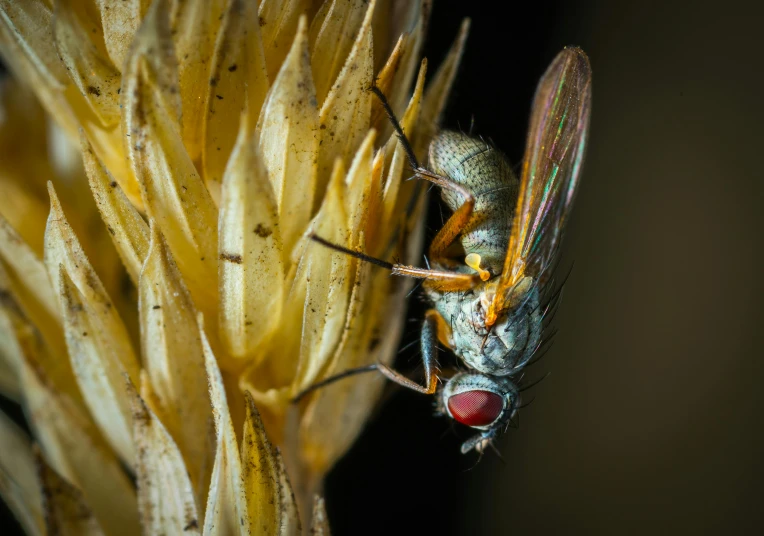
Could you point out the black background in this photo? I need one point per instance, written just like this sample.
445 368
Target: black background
650 420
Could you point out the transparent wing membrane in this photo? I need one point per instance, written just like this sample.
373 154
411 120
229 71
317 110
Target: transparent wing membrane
550 175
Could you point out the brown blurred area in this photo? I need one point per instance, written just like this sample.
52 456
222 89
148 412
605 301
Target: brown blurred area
651 418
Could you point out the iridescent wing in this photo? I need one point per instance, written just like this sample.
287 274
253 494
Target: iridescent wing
551 168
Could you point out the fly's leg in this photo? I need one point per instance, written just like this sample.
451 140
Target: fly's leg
461 217
442 280
428 342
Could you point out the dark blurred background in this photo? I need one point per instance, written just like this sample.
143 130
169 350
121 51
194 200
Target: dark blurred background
650 419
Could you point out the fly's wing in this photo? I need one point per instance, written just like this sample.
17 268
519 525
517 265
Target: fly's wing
551 168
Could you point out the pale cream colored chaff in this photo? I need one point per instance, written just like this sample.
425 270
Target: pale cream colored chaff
161 164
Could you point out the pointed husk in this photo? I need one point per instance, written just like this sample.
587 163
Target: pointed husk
215 136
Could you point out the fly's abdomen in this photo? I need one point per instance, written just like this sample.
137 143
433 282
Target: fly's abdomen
487 174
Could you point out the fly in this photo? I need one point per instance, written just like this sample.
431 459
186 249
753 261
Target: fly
491 309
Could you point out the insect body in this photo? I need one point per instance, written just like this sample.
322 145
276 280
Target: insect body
488 308
505 347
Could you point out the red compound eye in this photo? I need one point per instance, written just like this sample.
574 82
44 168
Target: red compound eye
476 408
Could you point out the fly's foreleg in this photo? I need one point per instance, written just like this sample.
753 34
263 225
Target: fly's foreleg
461 217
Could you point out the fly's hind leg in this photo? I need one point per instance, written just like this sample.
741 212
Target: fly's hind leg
461 217
434 325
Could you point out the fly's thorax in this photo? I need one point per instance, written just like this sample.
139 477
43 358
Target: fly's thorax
485 172
498 350
477 400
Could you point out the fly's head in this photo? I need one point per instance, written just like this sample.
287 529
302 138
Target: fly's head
485 403
499 349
